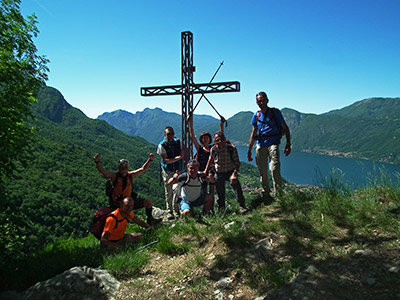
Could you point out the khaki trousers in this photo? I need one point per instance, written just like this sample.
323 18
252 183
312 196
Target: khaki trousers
269 157
171 192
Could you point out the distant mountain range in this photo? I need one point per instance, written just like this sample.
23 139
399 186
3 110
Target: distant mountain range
366 129
150 123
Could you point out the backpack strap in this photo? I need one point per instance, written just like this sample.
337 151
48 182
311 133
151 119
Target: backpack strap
272 118
116 219
258 116
281 131
187 179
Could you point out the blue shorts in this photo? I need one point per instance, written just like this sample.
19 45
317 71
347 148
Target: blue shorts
184 205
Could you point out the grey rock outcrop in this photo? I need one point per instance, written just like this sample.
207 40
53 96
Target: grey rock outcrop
77 283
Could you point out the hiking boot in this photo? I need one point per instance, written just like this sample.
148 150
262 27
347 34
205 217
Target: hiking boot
153 222
243 210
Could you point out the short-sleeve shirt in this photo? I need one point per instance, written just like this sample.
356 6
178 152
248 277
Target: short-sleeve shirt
117 233
191 189
268 126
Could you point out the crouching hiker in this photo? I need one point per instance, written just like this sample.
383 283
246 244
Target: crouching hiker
192 194
114 236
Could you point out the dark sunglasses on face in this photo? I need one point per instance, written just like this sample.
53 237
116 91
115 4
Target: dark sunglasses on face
219 140
170 133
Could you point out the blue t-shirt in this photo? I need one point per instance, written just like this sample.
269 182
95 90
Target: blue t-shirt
268 127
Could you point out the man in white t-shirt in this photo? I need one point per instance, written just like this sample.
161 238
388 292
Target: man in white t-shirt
192 194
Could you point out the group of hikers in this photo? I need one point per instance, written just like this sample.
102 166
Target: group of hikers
213 166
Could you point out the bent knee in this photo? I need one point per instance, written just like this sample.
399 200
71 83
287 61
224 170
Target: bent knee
134 237
148 203
186 212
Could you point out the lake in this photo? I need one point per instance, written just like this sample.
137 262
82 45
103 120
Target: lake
308 168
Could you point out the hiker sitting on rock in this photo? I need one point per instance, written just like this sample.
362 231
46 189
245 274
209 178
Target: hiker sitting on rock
114 236
192 194
122 183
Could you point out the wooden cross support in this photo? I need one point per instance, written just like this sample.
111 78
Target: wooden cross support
188 88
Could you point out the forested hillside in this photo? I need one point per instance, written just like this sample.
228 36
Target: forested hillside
366 129
61 188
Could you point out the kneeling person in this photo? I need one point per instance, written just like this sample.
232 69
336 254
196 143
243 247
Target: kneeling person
114 236
192 194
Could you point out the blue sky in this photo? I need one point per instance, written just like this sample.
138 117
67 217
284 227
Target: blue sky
312 56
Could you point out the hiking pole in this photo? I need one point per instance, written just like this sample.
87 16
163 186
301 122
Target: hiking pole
226 122
148 245
202 94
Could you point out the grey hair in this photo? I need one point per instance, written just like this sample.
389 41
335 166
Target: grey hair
193 162
122 162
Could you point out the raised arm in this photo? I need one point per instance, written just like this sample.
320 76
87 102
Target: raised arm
99 166
191 131
145 166
221 124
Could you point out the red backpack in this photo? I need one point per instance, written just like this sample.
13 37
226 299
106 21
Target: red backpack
99 220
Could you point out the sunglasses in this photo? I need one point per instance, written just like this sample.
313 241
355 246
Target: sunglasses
219 140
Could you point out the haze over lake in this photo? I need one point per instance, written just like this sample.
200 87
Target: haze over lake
308 168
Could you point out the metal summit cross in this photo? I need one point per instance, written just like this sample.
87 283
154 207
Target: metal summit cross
188 87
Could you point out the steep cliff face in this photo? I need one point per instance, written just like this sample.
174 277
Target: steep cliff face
52 104
292 117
